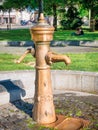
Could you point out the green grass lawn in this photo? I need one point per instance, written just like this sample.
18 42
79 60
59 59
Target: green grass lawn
15 35
7 62
24 35
66 35
80 62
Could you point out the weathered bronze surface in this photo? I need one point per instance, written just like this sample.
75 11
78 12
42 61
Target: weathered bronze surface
65 123
44 110
54 57
72 124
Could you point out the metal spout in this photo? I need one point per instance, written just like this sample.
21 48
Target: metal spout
52 57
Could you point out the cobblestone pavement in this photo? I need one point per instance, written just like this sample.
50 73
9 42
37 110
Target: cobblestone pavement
18 115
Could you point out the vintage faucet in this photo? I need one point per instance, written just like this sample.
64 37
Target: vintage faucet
44 110
42 34
51 57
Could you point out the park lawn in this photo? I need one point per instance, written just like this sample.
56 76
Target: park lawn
15 35
7 62
66 35
24 35
80 62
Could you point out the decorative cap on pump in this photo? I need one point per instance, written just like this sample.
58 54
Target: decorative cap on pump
42 31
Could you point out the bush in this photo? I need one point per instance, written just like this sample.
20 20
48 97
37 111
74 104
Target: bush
68 24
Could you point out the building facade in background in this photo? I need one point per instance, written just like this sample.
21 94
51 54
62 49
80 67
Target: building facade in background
18 17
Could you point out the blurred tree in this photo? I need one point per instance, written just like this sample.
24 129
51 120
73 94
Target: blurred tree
72 19
52 9
92 6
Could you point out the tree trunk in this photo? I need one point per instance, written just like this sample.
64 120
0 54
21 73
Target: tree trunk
9 22
89 17
92 21
55 16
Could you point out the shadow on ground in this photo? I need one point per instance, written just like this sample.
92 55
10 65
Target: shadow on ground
16 92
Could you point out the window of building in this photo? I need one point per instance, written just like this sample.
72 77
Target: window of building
5 20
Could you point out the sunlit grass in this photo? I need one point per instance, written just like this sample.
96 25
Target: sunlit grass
7 62
66 35
80 62
15 35
24 35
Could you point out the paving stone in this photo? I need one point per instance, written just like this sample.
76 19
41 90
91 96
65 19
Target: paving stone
16 116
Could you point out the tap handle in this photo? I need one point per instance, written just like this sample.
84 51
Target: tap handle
29 50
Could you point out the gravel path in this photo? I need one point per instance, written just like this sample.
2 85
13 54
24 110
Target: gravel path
67 49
